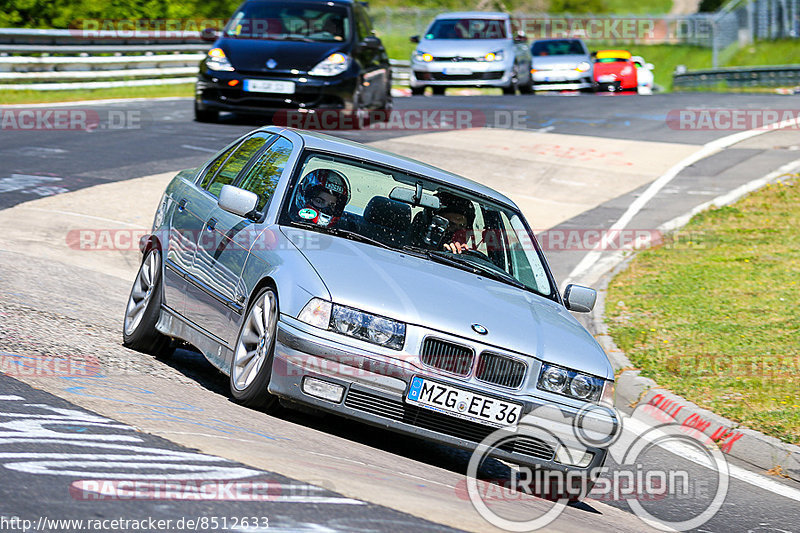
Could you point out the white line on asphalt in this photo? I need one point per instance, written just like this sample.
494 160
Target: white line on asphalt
7 398
81 215
199 148
638 427
317 499
590 260
97 102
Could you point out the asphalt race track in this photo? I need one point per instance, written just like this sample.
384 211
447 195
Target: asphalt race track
573 164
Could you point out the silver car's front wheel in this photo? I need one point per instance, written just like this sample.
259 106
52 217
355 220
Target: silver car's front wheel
141 313
252 358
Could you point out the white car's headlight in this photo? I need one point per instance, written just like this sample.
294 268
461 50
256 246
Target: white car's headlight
583 66
422 57
216 60
494 56
354 323
333 65
570 383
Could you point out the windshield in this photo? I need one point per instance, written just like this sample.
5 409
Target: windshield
558 48
312 22
467 29
381 207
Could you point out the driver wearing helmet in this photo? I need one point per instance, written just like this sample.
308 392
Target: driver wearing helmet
321 197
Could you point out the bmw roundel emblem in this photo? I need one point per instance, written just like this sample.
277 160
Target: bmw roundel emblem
480 330
272 63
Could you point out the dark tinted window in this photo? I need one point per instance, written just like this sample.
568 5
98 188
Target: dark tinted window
467 29
263 177
290 20
557 48
363 23
237 161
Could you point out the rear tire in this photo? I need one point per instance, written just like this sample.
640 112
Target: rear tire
251 366
438 91
144 307
418 91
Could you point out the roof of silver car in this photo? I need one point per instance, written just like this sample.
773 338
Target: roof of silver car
473 15
328 143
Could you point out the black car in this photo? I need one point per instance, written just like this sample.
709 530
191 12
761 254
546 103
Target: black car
294 55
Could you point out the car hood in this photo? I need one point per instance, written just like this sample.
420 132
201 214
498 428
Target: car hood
567 61
436 296
252 54
463 47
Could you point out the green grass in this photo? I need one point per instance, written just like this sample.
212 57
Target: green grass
712 314
36 97
626 7
782 52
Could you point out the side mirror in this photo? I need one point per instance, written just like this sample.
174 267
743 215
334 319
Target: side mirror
237 201
579 298
371 42
208 34
649 66
414 39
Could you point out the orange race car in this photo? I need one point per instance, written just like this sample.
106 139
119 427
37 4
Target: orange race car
614 71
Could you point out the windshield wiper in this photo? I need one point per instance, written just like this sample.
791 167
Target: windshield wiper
346 234
477 268
290 38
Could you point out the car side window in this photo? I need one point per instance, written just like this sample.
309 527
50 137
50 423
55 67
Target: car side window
211 170
263 177
237 161
363 23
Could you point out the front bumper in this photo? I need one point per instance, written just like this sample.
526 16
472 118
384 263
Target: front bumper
558 80
374 393
213 92
462 73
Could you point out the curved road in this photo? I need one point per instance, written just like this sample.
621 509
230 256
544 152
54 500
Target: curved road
323 474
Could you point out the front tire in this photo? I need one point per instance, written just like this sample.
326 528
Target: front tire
251 367
144 306
438 91
205 115
418 91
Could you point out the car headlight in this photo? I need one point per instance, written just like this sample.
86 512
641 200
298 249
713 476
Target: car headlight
570 383
333 65
627 70
354 323
216 60
422 57
494 56
583 66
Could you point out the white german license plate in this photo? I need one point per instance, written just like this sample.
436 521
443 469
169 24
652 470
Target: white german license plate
606 78
269 86
457 71
463 404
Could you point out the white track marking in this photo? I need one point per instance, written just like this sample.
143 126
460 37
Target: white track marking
97 102
637 427
199 148
590 260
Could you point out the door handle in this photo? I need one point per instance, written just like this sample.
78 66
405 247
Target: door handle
211 224
182 204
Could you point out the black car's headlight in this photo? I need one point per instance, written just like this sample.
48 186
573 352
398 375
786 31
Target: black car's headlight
570 383
333 65
216 60
354 323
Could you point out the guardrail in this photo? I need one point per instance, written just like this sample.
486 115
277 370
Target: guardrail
738 77
108 59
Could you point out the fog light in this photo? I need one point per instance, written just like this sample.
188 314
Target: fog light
323 389
233 83
574 457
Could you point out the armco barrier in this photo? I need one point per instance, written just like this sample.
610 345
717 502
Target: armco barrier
772 76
